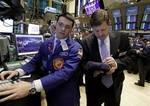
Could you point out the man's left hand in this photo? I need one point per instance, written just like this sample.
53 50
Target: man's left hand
15 91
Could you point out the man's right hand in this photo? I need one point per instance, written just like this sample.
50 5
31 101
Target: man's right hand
8 74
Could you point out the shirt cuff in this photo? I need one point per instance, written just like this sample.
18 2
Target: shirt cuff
38 85
20 71
116 65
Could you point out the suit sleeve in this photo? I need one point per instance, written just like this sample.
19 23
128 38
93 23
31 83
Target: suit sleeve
127 60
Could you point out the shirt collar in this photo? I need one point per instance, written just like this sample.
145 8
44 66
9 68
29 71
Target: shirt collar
61 40
106 40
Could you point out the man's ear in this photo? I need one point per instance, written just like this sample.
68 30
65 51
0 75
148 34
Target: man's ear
109 22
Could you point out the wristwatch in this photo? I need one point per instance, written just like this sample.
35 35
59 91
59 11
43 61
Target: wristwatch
32 89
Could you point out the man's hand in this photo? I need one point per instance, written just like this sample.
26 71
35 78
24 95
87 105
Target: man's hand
112 63
97 72
15 91
8 74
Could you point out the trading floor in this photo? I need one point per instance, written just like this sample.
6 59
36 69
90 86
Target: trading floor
132 94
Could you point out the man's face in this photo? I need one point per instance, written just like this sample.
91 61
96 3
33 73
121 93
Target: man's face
63 28
101 31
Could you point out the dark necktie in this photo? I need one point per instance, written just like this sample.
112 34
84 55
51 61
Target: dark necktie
57 45
107 79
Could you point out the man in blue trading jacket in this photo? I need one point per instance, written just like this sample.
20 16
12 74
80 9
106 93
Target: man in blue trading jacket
59 61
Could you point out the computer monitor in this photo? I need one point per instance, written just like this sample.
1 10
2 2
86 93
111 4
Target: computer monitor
145 26
146 18
130 26
28 44
117 19
6 26
4 43
33 29
118 26
131 18
91 7
147 36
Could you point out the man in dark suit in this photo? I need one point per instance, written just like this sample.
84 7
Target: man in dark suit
119 58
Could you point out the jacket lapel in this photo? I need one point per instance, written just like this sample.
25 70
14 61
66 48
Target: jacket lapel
95 48
114 44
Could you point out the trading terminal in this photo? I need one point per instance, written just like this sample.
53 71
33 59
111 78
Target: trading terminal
25 24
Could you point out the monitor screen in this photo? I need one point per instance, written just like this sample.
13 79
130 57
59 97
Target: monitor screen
90 8
4 42
146 18
28 44
145 26
118 27
147 36
117 19
130 26
33 29
131 18
6 26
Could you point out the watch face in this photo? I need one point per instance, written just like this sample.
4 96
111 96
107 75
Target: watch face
32 91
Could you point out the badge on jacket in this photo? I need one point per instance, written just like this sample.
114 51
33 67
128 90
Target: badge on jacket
80 53
58 63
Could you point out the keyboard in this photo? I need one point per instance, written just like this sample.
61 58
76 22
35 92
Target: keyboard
14 65
8 82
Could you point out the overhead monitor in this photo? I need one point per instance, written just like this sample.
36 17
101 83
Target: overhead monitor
133 10
33 29
130 26
146 18
131 17
147 36
145 24
28 44
117 19
91 7
116 15
6 26
118 26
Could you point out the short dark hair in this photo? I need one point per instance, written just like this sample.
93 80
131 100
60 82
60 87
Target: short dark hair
68 16
98 17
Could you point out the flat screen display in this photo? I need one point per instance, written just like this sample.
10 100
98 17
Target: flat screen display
145 26
131 18
117 19
146 18
6 26
118 27
28 44
147 36
90 8
33 29
130 26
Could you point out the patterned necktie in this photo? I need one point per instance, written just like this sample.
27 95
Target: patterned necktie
57 45
107 79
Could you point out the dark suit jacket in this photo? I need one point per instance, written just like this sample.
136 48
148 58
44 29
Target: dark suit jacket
119 49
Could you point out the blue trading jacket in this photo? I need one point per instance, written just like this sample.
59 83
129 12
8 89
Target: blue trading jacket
60 84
